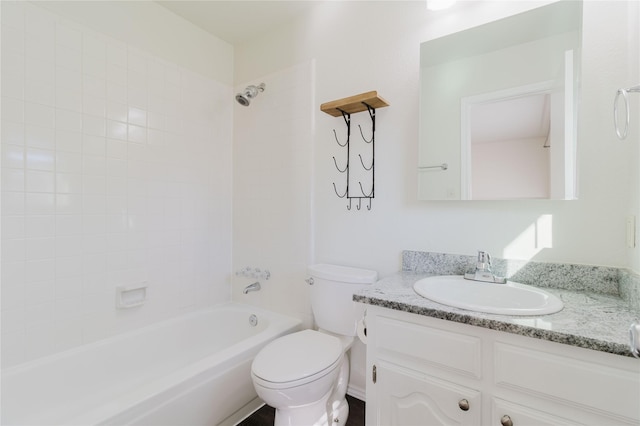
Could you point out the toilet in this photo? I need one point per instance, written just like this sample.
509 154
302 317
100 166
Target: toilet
304 375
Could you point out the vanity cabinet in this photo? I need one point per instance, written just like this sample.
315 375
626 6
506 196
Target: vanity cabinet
426 371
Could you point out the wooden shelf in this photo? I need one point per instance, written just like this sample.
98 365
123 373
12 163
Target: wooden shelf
354 104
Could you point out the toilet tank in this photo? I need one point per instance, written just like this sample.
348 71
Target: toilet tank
332 296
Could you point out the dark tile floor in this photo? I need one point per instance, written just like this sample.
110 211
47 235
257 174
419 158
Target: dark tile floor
264 416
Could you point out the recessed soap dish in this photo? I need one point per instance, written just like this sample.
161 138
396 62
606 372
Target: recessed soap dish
131 296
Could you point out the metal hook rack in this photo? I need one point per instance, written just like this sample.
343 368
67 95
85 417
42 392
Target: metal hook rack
622 134
347 194
345 107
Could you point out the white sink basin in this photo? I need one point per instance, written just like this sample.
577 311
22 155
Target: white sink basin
505 299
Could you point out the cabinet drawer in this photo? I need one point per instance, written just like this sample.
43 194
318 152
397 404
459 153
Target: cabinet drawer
525 416
420 345
594 387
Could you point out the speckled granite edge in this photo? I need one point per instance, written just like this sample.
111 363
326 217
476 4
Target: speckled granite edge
522 330
600 279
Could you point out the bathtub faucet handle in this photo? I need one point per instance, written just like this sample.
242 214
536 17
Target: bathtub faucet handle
257 273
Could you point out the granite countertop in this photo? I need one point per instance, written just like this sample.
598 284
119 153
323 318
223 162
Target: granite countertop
589 320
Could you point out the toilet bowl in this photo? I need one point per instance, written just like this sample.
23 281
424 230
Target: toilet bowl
305 375
298 374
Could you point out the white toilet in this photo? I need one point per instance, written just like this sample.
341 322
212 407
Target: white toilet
304 375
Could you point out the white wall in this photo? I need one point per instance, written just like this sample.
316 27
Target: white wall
155 30
632 79
116 170
613 61
363 46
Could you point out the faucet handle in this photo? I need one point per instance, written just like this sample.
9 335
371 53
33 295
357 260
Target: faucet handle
484 257
483 270
484 261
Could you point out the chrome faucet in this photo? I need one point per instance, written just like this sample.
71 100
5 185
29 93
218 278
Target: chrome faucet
252 287
483 270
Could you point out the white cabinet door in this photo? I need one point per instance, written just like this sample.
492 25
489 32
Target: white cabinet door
408 398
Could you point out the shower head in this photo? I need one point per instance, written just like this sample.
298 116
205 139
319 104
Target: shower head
244 98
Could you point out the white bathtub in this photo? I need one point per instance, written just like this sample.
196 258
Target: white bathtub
191 370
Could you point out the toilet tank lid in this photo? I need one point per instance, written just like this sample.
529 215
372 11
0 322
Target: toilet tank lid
344 274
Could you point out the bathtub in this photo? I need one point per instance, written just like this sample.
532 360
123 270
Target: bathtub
190 370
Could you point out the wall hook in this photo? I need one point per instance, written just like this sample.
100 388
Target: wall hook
363 138
335 135
336 190
347 120
370 195
362 162
345 167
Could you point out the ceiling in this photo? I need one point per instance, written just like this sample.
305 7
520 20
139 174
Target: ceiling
239 20
236 21
526 117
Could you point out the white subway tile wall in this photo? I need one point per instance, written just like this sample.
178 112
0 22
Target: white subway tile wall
273 149
116 170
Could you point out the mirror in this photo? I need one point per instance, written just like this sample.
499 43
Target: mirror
498 108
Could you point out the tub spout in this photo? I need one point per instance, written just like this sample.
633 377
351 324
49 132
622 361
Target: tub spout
251 287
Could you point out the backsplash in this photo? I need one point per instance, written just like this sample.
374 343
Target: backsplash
600 279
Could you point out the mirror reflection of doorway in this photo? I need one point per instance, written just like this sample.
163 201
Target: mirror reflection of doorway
517 143
510 141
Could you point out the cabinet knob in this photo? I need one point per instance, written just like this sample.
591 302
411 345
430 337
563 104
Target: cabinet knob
463 404
506 421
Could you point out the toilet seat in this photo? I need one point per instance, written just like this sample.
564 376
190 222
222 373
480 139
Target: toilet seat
296 359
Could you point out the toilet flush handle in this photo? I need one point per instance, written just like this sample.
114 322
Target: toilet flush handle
309 281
